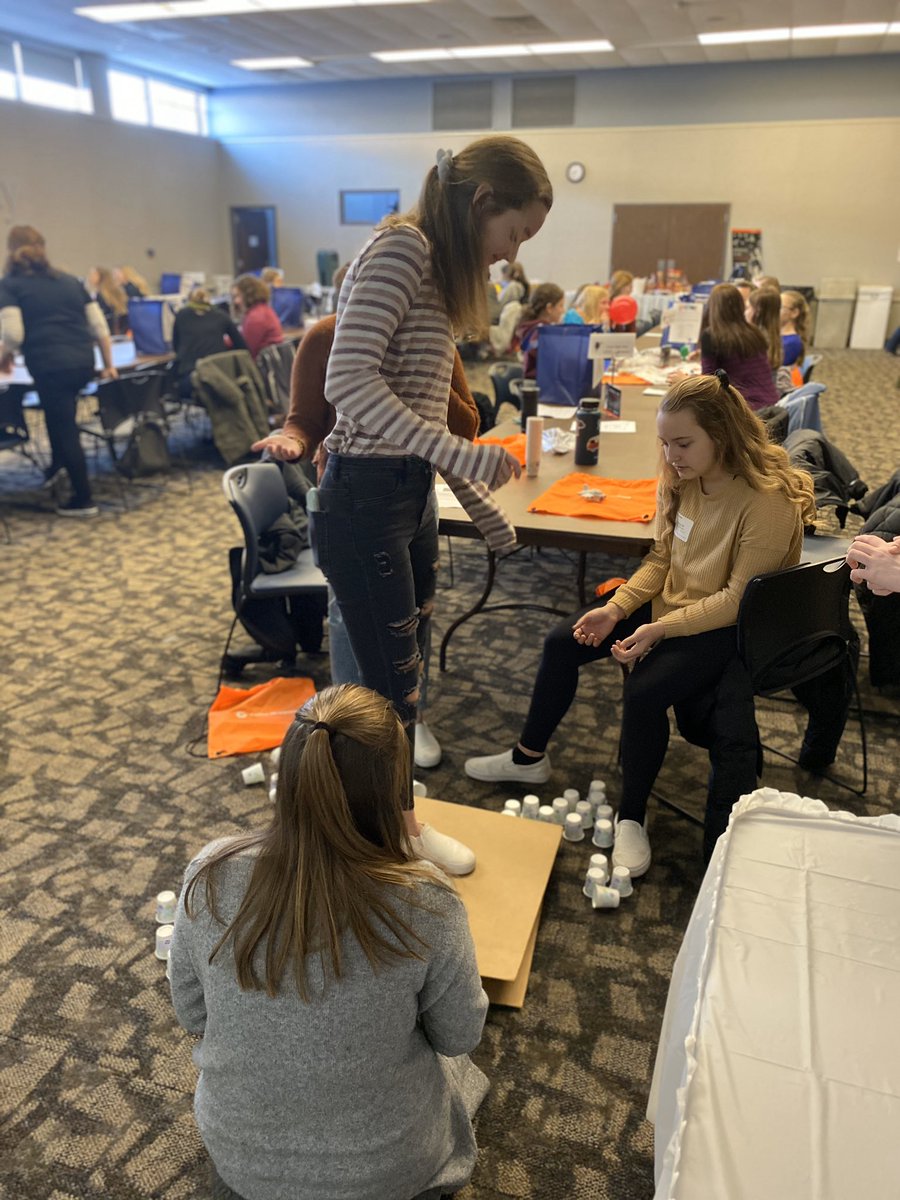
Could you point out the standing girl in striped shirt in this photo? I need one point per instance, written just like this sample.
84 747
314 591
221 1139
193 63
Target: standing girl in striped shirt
415 287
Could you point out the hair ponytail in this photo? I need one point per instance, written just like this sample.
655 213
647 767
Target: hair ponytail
27 252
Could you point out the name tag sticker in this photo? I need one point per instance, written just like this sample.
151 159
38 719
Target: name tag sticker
683 527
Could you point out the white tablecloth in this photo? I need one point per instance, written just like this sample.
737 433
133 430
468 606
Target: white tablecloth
778 1070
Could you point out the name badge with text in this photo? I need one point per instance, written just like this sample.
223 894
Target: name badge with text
683 527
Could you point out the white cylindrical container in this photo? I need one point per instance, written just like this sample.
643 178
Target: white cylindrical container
585 813
571 797
275 757
605 897
603 834
273 792
534 437
596 789
530 796
164 941
514 807
594 879
621 881
599 862
603 812
253 774
165 908
546 813
573 831
560 810
530 808
508 812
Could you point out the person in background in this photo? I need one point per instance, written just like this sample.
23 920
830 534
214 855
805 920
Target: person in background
200 329
545 307
332 981
112 298
260 326
514 284
591 307
794 327
745 287
134 284
763 309
731 506
876 563
50 317
728 341
309 422
767 281
621 284
273 277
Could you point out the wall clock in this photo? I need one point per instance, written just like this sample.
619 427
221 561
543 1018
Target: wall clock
575 172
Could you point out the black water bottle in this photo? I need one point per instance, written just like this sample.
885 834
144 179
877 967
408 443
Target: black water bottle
587 432
529 394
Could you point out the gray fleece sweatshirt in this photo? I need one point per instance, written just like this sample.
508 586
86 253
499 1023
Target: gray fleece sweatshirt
346 1097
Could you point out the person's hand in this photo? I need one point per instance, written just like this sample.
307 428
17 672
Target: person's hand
641 642
502 467
281 447
875 563
595 626
109 373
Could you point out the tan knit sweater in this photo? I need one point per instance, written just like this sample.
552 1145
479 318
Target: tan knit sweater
696 574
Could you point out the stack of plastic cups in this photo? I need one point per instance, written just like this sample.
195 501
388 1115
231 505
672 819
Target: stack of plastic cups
530 808
621 881
573 831
603 812
546 813
560 810
165 915
597 792
586 813
571 798
603 834
594 879
599 862
513 807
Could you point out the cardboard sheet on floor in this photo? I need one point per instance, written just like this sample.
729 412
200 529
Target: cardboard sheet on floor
503 895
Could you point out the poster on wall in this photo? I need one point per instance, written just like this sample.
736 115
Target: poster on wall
746 253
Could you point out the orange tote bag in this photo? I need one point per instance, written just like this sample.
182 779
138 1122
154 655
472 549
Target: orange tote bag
247 720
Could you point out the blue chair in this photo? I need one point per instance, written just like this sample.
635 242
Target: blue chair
288 305
809 365
145 317
803 407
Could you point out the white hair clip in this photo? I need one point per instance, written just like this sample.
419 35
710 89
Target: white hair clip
444 165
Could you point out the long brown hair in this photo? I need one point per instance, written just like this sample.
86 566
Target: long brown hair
113 293
135 278
765 304
542 297
800 317
742 446
620 284
335 848
27 252
447 214
727 331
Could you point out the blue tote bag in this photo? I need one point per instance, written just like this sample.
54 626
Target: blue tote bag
564 371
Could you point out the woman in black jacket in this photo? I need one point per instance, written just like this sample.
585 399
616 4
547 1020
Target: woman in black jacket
201 329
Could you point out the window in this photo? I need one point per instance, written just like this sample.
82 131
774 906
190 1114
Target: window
150 102
367 208
51 79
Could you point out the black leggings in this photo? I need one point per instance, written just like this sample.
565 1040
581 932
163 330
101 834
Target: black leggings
674 671
58 391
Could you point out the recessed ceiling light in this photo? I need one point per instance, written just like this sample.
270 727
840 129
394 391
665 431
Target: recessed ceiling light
515 50
171 10
270 64
872 29
740 36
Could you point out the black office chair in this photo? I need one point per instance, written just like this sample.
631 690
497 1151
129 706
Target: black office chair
14 432
795 633
275 364
258 496
502 375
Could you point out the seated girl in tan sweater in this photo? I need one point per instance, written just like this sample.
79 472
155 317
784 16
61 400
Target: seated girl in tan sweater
730 507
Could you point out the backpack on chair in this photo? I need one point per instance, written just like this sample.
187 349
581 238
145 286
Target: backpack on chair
147 451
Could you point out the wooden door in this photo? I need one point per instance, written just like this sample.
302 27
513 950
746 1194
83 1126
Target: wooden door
651 238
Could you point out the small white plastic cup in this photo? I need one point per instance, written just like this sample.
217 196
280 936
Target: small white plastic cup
621 881
530 808
605 897
560 810
546 813
594 879
585 813
508 812
603 834
531 796
597 788
165 908
163 941
573 831
513 807
253 774
571 796
275 757
599 863
603 812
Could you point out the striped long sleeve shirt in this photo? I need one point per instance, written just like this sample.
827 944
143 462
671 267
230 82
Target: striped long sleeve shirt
389 375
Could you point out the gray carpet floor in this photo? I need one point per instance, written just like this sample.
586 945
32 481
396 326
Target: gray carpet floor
114 629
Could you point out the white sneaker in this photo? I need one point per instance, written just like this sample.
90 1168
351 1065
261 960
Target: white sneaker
632 847
419 789
428 749
500 768
445 852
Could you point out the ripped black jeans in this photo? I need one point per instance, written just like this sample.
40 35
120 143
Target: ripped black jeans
377 541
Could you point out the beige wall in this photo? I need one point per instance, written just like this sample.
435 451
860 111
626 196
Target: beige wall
103 193
824 193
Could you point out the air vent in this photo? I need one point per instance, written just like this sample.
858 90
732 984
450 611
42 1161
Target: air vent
546 100
466 104
529 28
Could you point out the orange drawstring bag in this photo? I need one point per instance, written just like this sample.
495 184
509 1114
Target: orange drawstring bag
514 445
247 720
623 499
